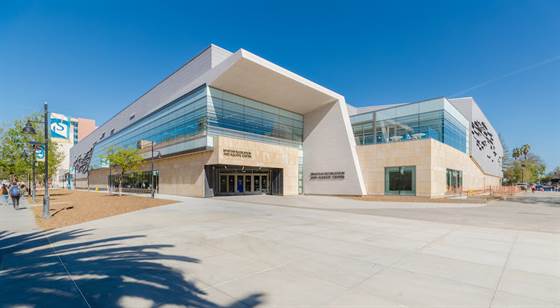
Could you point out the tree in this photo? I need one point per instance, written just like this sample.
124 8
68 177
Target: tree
516 153
529 170
128 160
16 154
555 173
525 149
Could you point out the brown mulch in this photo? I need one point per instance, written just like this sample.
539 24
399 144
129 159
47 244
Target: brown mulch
74 207
471 200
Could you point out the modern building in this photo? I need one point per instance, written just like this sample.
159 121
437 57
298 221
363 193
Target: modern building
66 132
234 123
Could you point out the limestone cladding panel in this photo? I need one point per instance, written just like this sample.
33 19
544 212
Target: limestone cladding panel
239 152
374 158
179 175
446 157
431 159
182 175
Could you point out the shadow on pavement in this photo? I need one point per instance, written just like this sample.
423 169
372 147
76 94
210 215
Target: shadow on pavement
107 273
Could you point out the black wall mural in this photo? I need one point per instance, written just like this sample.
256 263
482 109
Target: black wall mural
81 164
485 141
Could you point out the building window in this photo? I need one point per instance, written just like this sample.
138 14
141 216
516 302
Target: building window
400 180
429 119
132 116
454 181
135 182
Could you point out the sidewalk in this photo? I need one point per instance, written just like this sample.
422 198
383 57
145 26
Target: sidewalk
20 220
26 253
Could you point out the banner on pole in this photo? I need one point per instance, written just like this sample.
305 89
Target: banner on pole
59 126
40 153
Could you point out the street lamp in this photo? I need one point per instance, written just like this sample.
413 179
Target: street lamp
29 129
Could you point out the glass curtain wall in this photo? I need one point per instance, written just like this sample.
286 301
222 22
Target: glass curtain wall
185 117
429 119
236 116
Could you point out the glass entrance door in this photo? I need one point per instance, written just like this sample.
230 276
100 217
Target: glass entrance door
400 180
243 183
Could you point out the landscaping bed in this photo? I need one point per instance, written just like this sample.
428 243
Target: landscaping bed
74 207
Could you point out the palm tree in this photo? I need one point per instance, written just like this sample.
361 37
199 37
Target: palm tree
516 153
525 150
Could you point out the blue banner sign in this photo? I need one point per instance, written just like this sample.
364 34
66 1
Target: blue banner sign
40 152
59 126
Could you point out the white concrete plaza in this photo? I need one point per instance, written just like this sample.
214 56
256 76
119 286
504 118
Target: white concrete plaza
250 254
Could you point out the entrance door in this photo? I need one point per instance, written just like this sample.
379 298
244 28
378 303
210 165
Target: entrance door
231 183
244 180
248 183
240 184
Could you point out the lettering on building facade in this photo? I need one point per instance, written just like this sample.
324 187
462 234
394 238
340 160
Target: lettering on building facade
236 153
335 175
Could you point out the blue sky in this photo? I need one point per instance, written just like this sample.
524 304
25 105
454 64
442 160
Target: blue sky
90 59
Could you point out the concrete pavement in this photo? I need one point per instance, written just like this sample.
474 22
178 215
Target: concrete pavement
20 220
217 252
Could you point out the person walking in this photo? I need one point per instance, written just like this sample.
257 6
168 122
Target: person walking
5 193
15 194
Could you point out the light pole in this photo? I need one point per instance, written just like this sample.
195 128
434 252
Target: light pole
33 184
152 182
522 172
110 182
28 129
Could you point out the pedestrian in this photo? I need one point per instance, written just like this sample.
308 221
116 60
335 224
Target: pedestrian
5 193
15 194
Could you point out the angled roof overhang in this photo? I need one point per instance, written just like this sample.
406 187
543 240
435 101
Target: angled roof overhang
251 76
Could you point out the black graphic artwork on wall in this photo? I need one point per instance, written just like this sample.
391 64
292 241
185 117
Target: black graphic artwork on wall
81 164
485 141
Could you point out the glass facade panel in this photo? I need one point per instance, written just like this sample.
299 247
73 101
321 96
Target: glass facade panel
236 116
135 182
184 117
429 119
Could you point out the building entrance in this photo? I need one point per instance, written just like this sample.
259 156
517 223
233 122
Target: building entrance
243 183
241 180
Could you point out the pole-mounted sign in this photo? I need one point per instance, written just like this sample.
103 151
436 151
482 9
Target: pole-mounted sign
40 152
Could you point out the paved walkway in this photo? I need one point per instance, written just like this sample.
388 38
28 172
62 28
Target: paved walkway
20 220
340 203
217 252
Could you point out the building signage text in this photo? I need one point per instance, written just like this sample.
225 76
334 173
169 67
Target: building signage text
236 153
335 175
